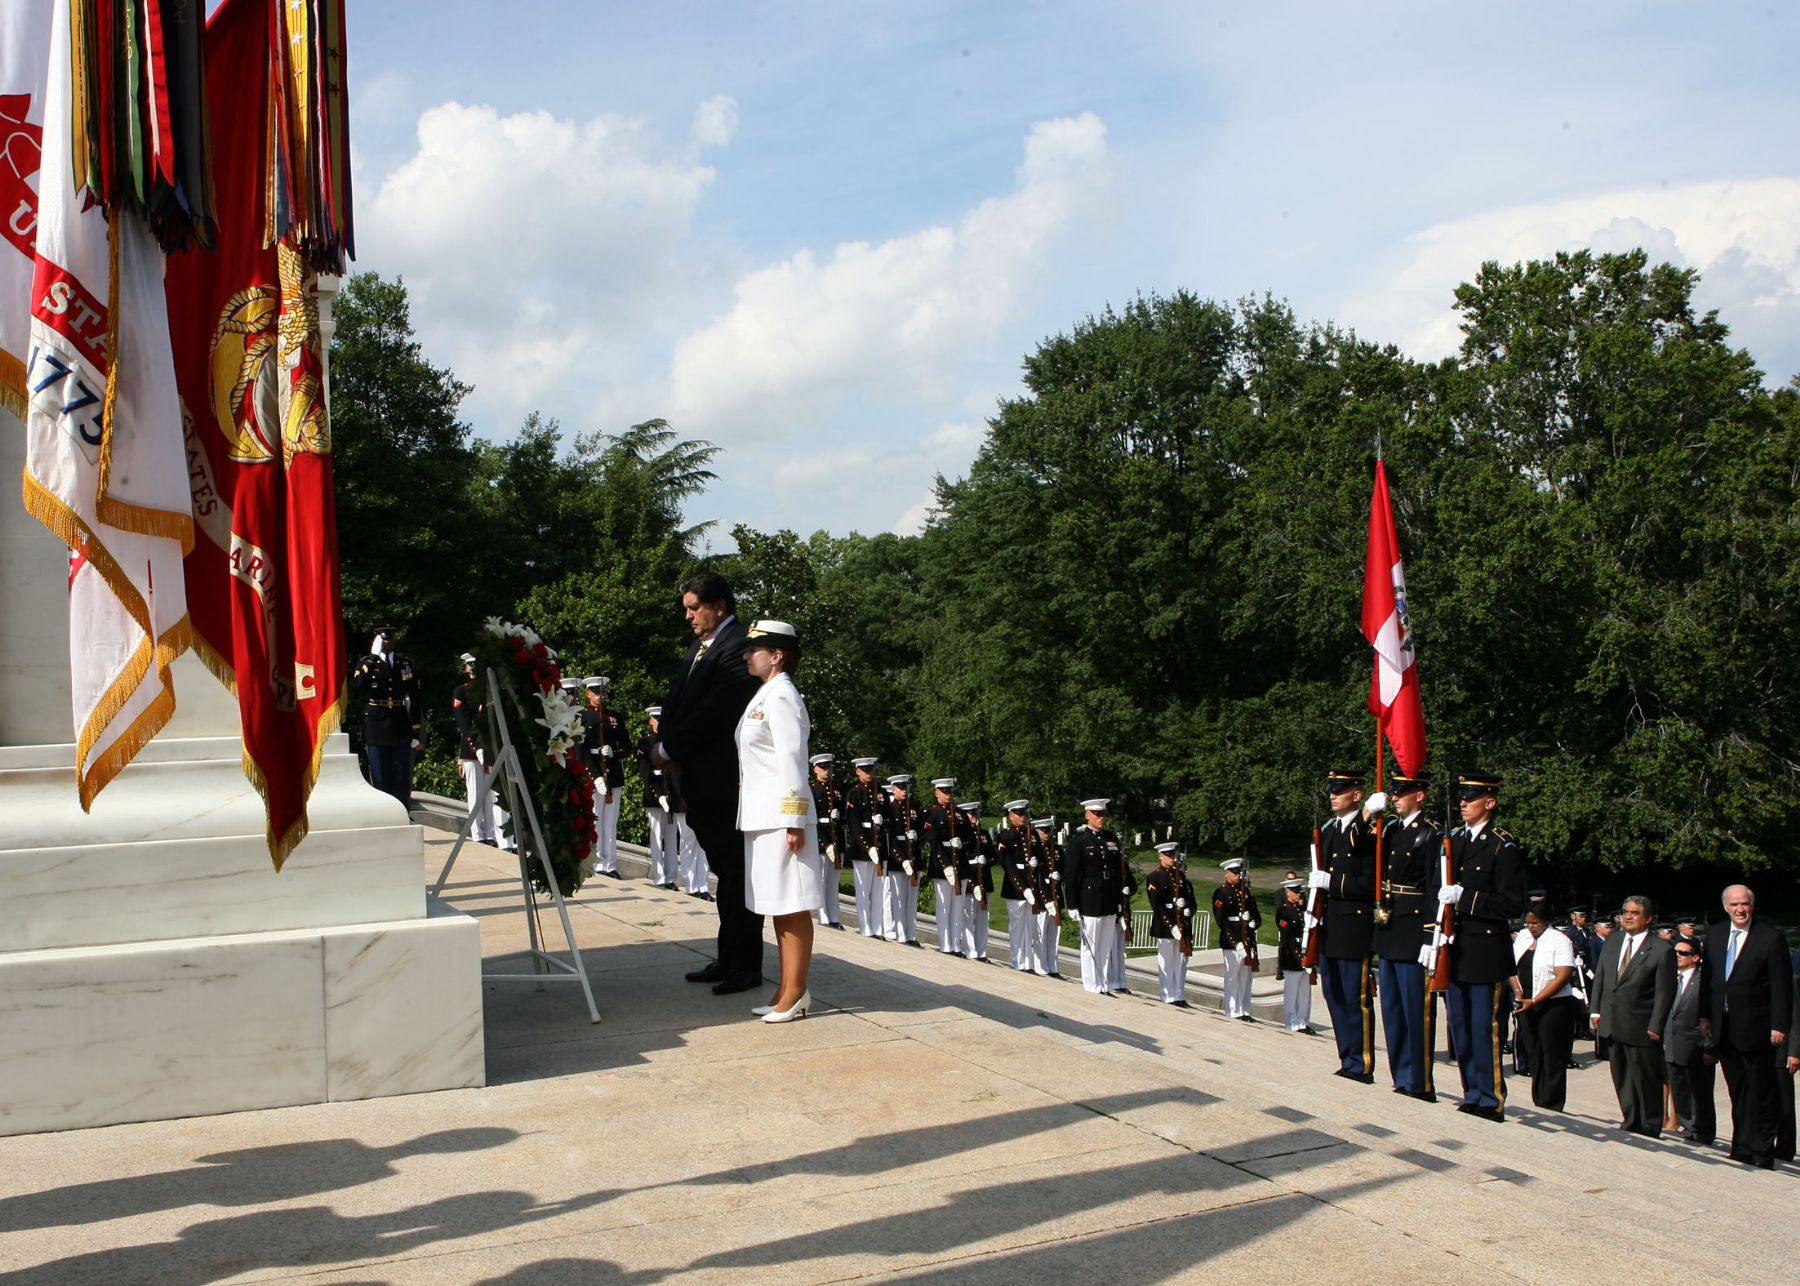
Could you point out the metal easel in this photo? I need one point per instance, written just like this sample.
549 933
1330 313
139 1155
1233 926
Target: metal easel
548 966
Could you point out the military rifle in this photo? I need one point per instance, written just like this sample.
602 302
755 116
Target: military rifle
1315 902
1444 931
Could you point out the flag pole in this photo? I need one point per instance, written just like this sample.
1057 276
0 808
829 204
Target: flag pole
1381 912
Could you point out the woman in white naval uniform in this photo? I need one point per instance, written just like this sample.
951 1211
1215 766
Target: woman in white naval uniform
784 871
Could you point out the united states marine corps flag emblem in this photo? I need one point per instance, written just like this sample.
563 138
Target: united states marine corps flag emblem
262 580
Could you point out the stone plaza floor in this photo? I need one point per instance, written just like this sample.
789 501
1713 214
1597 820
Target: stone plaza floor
933 1119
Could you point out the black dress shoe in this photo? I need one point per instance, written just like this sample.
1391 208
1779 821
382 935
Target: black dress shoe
711 973
737 982
1485 1113
1361 1078
1181 1004
1424 1096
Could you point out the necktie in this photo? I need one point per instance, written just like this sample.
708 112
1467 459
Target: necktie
1731 950
699 652
1625 957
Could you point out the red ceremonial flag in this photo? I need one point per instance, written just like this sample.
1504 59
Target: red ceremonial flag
1394 687
263 577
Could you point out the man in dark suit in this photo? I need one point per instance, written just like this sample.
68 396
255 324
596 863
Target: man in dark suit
1749 997
699 737
1634 987
1685 1056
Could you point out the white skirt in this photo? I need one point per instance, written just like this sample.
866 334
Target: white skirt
777 882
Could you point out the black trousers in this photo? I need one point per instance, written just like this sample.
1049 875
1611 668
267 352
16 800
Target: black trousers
1752 1079
1637 1074
714 823
1691 1085
1551 1028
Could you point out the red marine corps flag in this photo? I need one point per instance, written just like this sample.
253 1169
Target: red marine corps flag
1394 687
262 581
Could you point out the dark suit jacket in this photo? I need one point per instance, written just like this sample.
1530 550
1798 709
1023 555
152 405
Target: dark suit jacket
1681 1038
700 715
1760 989
1632 1007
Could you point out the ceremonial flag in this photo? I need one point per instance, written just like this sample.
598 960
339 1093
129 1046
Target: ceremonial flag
262 580
1394 686
24 69
104 466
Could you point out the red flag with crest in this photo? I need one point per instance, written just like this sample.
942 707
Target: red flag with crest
1394 686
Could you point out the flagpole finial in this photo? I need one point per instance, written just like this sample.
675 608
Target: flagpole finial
1378 442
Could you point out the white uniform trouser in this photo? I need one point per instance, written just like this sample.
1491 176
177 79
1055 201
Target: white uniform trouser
663 860
900 911
694 870
1115 965
1171 970
871 899
1296 999
949 917
1023 933
1049 948
1098 933
1237 984
975 923
481 800
606 822
829 910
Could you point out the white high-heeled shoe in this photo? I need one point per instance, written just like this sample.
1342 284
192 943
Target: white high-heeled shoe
796 1010
760 1010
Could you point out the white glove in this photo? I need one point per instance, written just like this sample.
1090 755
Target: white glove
481 757
956 842
834 814
1376 803
1243 953
1181 904
606 752
874 853
1030 899
1056 875
907 867
1450 894
831 851
1178 934
866 825
1318 879
875 818
1428 956
417 744
912 835
662 802
1031 863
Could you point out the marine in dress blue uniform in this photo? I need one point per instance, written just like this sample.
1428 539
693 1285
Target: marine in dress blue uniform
1488 890
1411 852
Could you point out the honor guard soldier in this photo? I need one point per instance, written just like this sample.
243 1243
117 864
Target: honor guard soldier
1347 874
1487 890
1238 918
829 805
1050 898
945 838
607 748
1290 967
659 813
1020 856
863 802
906 860
1091 866
471 759
1171 923
1411 851
978 889
391 723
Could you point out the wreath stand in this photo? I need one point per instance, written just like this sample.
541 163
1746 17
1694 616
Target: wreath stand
548 966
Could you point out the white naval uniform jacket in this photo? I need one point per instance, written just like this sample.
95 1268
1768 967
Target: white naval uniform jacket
774 778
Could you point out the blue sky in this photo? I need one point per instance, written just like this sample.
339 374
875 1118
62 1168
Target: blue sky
824 235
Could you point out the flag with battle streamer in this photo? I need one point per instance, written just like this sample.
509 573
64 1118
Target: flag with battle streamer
24 73
104 464
262 580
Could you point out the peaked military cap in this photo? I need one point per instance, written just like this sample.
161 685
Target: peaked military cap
1338 780
1020 806
1473 785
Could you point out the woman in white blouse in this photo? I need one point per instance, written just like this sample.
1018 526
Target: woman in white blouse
1549 1010
784 871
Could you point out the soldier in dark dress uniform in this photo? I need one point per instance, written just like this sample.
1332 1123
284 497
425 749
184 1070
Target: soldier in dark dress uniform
828 806
659 810
1488 892
1411 862
608 746
471 761
866 841
945 838
1050 898
1347 874
1238 918
1171 897
1092 865
906 859
1296 979
391 722
1019 854
978 889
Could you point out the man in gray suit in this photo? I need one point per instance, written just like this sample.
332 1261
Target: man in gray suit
1685 1055
1634 988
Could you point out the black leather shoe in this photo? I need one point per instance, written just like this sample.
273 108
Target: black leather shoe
737 982
1361 1078
1485 1113
1424 1096
711 973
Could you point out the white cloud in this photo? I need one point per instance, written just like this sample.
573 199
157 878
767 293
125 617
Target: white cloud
1742 236
536 250
890 319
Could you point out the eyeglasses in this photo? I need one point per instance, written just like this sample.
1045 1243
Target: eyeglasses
1680 952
